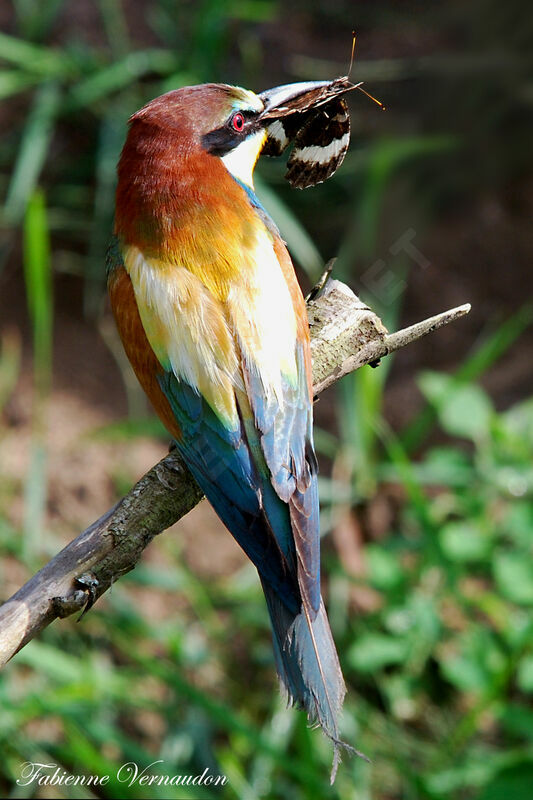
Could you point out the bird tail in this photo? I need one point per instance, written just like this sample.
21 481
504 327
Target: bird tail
308 666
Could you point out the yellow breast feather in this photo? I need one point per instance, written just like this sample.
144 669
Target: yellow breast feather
188 330
202 337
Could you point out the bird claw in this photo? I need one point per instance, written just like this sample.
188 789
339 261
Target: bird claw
65 605
89 584
81 598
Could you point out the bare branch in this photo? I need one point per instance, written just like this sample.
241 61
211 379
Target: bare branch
345 335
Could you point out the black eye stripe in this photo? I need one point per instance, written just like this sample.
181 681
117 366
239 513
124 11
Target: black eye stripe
220 141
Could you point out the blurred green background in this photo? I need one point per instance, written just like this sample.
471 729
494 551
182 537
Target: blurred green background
426 462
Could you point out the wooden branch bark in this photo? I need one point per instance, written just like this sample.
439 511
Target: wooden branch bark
345 334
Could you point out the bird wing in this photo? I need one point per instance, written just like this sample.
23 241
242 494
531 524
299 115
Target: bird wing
242 409
286 437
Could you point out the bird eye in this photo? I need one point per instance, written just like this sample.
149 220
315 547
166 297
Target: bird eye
237 122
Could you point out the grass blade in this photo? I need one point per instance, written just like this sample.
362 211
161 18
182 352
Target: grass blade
32 152
39 296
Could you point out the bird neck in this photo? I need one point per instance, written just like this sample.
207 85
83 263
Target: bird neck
169 191
178 204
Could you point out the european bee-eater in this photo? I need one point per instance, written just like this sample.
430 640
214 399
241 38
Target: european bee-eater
214 323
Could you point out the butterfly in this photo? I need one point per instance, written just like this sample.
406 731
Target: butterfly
318 131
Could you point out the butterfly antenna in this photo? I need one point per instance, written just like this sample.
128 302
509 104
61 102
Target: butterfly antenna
359 87
354 39
374 99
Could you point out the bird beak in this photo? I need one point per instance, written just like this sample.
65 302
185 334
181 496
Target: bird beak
300 97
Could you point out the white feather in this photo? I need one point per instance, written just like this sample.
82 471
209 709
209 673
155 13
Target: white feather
240 161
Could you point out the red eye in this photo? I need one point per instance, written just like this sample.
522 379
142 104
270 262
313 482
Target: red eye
238 122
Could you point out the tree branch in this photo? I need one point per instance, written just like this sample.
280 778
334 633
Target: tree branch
345 334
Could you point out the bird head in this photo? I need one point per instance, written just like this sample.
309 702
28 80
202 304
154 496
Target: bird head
236 125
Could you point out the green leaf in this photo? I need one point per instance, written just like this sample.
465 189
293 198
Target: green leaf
374 651
435 386
513 573
519 420
524 676
448 466
519 522
384 571
517 720
475 365
514 782
464 542
462 410
465 673
467 412
478 662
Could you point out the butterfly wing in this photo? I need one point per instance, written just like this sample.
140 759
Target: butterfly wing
319 138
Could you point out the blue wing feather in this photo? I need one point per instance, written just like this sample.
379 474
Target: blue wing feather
219 458
287 442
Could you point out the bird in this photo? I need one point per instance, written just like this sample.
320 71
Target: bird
214 323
